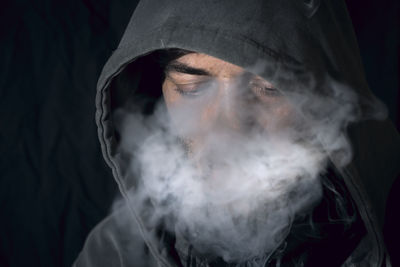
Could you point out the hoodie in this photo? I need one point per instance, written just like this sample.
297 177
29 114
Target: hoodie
302 42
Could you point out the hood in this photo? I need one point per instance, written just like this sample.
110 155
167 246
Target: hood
302 41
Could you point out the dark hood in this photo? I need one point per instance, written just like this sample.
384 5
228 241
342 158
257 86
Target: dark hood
301 40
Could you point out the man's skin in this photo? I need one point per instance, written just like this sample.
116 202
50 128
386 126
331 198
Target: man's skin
220 94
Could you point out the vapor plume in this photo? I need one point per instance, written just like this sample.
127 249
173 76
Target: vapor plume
236 195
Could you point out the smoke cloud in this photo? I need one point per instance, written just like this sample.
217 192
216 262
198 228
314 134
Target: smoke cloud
236 195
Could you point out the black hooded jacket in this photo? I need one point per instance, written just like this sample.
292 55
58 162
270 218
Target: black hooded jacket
302 41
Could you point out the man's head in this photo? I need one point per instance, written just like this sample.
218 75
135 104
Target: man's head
246 177
225 158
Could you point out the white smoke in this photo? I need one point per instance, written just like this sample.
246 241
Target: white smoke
237 195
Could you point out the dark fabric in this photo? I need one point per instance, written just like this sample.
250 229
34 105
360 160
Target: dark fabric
375 24
54 185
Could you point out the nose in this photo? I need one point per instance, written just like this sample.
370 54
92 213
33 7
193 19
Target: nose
224 108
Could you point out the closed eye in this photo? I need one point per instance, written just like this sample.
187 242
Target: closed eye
263 88
269 91
194 89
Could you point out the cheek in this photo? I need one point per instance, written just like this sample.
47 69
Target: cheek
277 117
187 115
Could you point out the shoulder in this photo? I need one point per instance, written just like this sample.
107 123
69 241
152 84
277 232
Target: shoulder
115 241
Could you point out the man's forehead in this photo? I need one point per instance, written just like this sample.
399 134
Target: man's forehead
212 65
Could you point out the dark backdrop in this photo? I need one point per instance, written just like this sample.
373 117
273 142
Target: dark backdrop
54 184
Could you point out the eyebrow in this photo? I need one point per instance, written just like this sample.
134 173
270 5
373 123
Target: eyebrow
183 68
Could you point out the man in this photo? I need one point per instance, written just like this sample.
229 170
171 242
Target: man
225 123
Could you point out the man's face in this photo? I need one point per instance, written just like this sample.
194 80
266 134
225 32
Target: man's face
205 94
246 176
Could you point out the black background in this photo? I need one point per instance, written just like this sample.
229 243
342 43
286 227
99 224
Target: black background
54 184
